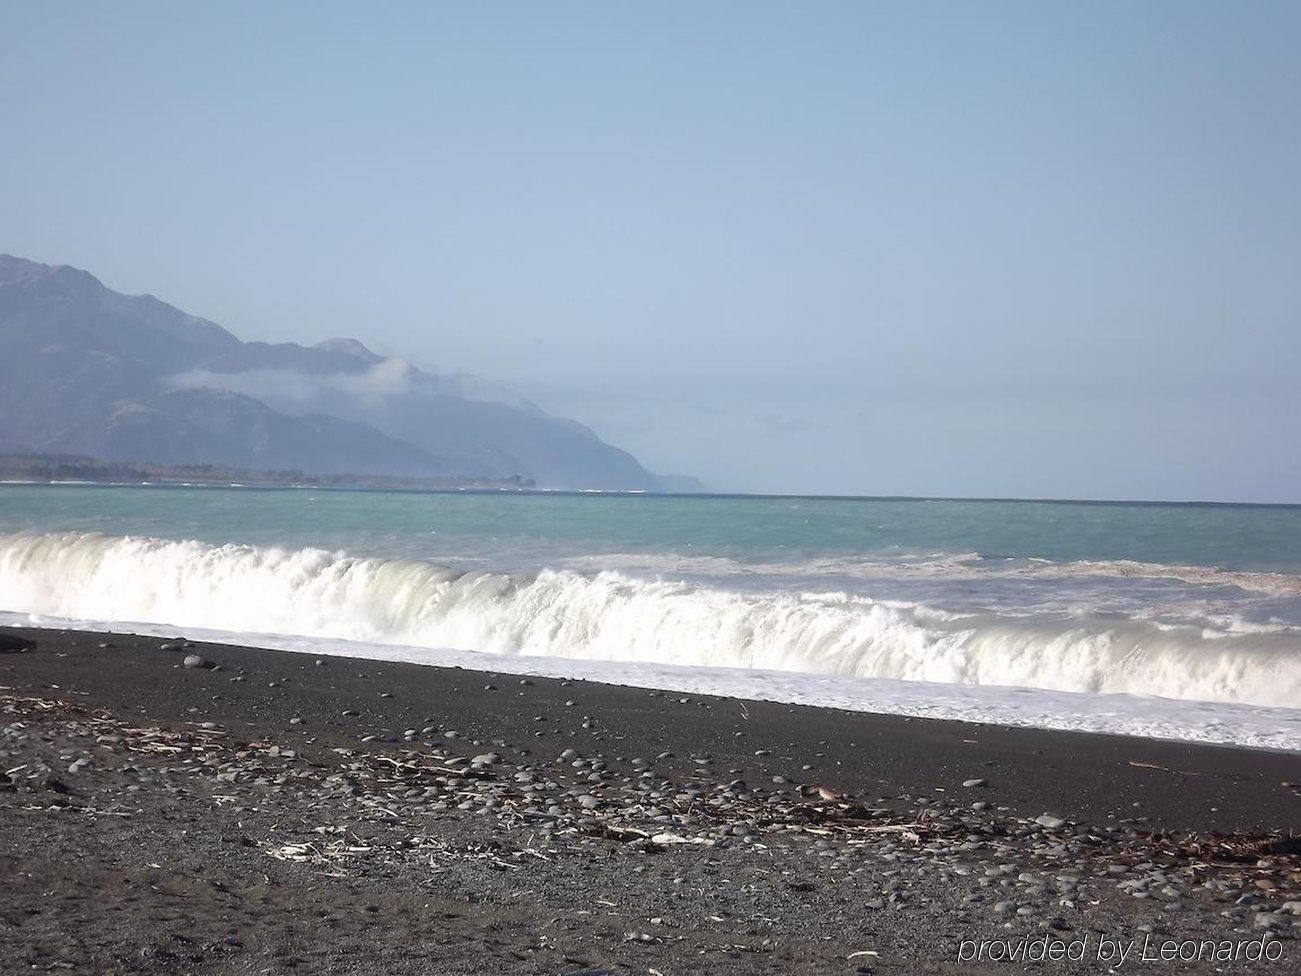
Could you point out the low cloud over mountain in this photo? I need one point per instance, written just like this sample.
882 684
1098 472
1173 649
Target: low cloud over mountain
86 370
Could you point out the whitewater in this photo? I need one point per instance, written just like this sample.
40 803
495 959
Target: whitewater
1177 650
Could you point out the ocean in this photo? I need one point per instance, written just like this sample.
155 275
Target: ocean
1171 620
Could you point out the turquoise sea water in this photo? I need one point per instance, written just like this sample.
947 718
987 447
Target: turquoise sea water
1194 603
525 528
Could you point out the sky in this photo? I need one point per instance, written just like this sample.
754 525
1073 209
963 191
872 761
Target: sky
1012 249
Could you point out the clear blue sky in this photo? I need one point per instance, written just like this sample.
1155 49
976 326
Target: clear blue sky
1015 249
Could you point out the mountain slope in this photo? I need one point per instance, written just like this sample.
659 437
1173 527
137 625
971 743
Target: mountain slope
86 370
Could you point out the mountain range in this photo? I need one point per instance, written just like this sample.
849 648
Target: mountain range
85 370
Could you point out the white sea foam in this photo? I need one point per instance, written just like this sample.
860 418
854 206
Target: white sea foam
609 616
1160 718
940 566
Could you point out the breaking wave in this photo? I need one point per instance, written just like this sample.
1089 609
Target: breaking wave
611 616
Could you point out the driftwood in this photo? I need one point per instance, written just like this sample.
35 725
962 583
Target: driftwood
382 778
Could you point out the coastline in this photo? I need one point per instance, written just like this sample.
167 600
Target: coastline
258 811
1084 775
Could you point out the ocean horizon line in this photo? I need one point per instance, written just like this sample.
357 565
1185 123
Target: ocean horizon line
641 493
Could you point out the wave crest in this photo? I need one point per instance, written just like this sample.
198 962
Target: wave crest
611 616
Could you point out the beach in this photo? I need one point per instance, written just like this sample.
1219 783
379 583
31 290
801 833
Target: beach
202 808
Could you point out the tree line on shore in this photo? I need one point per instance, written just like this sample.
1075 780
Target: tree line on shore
72 467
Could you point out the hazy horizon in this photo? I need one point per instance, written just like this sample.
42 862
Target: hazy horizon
1020 251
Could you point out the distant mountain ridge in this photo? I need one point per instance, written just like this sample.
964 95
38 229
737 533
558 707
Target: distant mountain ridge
85 370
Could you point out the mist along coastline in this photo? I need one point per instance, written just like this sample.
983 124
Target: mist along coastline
285 810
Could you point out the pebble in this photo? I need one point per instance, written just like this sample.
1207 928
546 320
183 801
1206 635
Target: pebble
969 783
1007 857
194 661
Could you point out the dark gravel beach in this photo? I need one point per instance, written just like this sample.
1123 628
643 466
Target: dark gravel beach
210 809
